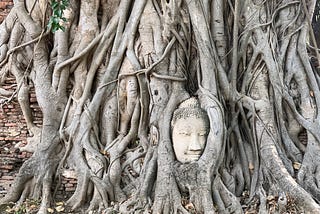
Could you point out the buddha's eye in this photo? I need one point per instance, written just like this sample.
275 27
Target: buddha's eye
185 133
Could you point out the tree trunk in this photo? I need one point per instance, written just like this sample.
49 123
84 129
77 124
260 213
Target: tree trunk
111 83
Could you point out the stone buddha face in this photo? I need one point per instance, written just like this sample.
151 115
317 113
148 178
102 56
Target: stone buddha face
190 127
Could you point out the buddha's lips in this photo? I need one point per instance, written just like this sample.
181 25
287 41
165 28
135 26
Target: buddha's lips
194 156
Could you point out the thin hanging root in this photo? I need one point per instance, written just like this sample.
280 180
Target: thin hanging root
24 177
167 205
263 201
133 128
147 175
218 200
78 198
161 41
285 181
101 188
11 51
231 202
308 175
81 194
46 200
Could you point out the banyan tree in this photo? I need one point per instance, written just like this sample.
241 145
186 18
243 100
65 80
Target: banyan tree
167 106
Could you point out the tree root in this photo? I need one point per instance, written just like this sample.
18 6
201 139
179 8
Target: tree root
32 142
168 204
309 173
231 203
158 51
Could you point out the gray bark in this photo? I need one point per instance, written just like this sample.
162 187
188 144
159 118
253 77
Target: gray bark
109 84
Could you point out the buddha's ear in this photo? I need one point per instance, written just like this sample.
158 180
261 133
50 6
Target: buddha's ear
154 135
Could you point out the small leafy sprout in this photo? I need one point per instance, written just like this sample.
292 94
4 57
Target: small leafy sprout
58 6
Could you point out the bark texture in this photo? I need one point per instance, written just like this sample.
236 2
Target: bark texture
109 83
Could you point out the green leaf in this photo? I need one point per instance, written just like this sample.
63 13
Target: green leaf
56 20
57 15
65 2
62 28
54 5
55 28
62 7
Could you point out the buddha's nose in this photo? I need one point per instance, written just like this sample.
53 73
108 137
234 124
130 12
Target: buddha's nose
195 143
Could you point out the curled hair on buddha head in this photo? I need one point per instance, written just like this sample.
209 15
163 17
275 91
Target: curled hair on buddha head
189 108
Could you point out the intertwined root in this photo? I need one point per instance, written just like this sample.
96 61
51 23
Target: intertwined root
160 53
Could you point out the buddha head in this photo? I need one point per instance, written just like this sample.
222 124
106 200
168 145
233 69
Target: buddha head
190 127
